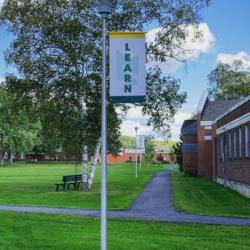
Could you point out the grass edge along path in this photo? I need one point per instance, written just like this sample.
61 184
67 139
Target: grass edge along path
41 231
200 196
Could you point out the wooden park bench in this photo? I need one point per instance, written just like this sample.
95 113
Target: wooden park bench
68 180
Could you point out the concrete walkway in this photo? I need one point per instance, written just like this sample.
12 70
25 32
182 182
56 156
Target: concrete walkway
153 204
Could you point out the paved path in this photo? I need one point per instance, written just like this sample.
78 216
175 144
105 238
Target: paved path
153 204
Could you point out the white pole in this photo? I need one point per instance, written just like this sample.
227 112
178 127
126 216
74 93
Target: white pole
104 8
104 221
136 172
140 159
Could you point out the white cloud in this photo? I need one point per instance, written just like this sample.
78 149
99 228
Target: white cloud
135 118
128 128
193 47
230 58
178 121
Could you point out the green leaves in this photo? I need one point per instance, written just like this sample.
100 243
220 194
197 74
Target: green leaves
163 99
228 82
57 51
17 132
149 150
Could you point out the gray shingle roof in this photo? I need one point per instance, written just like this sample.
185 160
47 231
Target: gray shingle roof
189 127
213 109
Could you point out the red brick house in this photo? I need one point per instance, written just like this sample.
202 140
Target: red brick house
207 113
233 147
128 155
223 142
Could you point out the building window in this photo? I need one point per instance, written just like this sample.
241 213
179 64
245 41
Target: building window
235 150
240 142
246 142
221 147
230 145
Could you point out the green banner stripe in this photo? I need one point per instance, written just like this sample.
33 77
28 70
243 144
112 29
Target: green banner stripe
128 99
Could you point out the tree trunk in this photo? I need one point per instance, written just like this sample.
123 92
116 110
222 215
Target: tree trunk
11 157
84 149
2 156
85 166
94 163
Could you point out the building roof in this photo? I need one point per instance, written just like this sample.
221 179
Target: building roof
189 127
202 102
232 108
213 109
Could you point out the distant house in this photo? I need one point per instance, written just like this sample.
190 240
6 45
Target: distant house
129 155
222 142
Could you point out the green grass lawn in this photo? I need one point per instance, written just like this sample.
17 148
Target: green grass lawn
205 197
41 231
33 185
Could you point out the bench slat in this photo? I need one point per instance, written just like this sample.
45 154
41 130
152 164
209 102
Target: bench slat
69 179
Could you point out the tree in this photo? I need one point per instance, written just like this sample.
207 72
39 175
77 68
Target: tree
17 133
149 150
178 153
127 141
228 82
57 50
163 99
172 154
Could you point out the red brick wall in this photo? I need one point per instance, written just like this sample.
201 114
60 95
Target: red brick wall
205 150
132 157
238 168
238 171
190 162
123 158
189 139
190 159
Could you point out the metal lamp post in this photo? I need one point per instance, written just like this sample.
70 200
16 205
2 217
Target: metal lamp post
104 9
136 129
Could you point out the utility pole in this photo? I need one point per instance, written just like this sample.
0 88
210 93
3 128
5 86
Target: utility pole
136 172
104 9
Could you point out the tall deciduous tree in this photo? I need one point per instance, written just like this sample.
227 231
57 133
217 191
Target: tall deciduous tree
227 82
17 133
57 50
149 150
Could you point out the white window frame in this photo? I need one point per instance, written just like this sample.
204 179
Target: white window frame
221 147
240 142
230 145
235 151
246 141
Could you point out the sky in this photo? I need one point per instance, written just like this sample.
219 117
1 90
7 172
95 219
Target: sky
226 33
226 37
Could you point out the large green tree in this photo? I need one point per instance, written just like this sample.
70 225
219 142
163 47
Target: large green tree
57 51
227 82
18 134
149 150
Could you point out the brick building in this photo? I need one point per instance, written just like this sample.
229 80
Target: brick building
222 142
129 155
207 113
189 146
233 148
